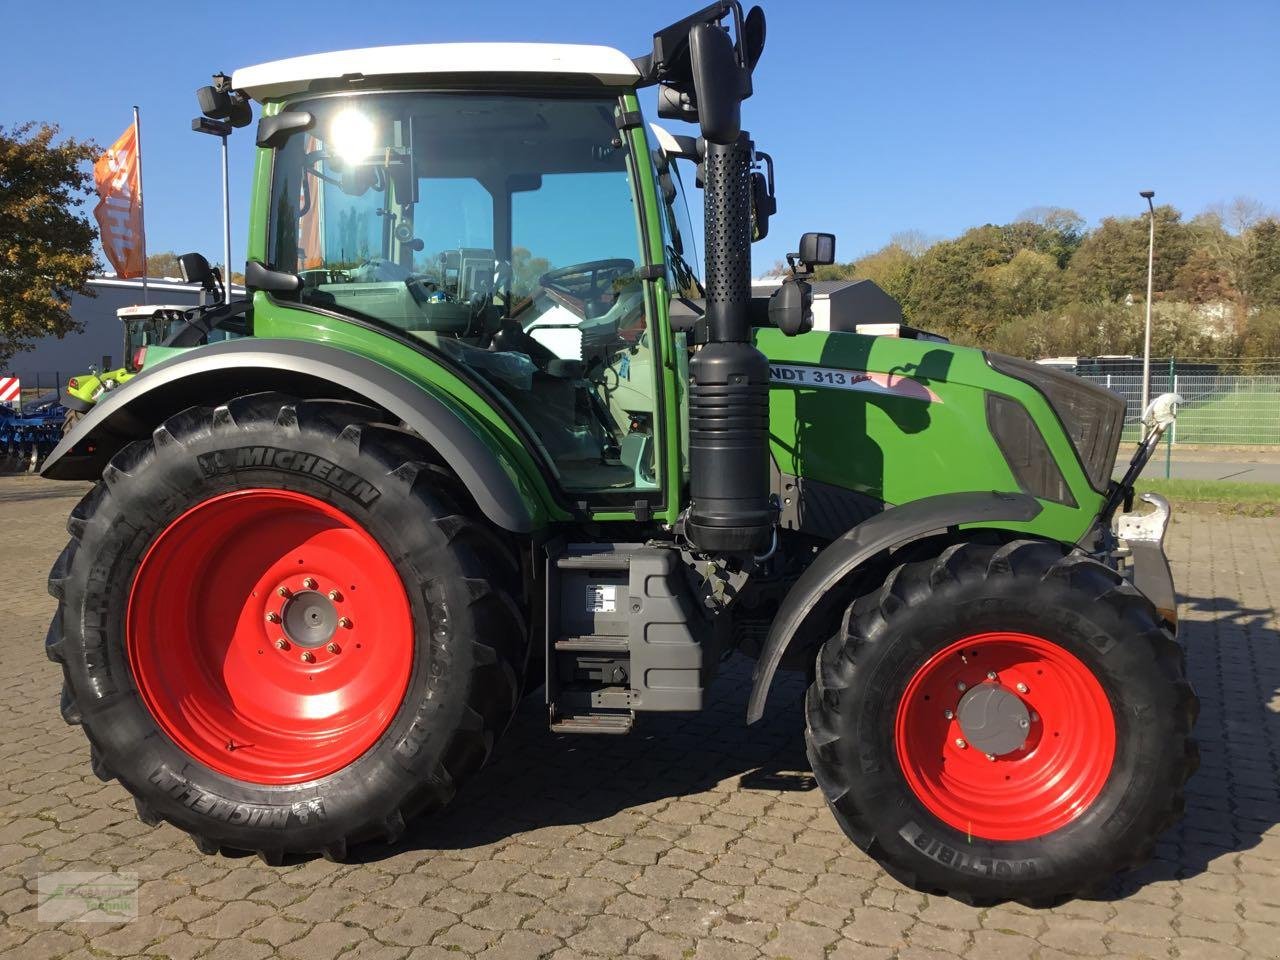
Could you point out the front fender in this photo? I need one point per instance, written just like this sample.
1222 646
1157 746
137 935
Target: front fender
309 369
818 588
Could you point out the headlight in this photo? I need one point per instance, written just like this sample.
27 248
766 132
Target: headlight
1092 416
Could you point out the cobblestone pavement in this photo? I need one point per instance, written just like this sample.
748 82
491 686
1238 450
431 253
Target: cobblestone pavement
692 838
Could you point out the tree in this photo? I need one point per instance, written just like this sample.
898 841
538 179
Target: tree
1056 231
1263 272
1229 233
1111 262
1029 282
46 243
890 268
948 289
164 264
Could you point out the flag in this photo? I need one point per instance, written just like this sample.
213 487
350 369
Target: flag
311 220
119 209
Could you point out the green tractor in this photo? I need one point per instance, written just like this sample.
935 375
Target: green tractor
142 327
495 428
154 332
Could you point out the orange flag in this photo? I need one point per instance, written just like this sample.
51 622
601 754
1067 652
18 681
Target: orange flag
311 221
119 209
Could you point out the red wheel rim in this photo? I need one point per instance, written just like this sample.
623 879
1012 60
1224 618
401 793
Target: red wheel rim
1032 789
270 636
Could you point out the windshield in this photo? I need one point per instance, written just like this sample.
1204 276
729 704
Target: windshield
503 231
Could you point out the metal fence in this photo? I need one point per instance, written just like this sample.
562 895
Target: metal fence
1225 407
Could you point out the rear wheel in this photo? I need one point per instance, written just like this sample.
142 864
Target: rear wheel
70 419
1003 723
282 630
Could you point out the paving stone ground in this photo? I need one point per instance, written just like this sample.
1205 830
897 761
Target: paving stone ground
692 838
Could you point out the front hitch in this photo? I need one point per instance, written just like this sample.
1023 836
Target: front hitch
1141 535
1156 419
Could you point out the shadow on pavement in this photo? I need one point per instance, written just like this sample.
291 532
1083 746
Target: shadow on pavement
538 779
1233 659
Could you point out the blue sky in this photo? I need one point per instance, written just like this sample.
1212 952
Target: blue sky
932 115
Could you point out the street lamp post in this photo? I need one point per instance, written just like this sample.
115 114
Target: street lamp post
1146 337
221 129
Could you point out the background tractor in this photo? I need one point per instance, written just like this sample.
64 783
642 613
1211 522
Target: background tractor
496 427
151 331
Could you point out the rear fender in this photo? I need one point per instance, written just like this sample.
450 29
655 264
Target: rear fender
219 372
818 592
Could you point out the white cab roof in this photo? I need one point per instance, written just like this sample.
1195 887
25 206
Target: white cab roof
283 77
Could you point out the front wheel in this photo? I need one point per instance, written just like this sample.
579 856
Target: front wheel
282 630
1003 723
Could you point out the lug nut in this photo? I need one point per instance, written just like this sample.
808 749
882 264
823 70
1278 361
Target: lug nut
285 592
991 674
333 648
308 657
961 686
960 743
950 715
1024 724
273 617
1021 688
344 623
335 596
282 644
309 583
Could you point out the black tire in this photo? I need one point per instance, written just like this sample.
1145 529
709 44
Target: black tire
1030 586
469 638
70 419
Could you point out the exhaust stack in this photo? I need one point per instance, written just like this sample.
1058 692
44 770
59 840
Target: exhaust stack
729 389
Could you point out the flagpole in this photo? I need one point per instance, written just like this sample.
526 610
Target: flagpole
142 210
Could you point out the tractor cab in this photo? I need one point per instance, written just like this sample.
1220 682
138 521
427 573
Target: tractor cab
508 219
147 326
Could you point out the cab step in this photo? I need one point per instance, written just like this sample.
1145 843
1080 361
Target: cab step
593 645
608 723
624 634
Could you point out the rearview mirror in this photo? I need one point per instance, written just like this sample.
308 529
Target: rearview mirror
276 131
257 276
195 269
763 206
717 83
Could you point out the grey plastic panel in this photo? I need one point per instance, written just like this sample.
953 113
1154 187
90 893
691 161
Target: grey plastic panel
638 595
667 635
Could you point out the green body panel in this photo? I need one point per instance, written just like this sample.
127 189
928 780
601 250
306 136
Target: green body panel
273 320
657 298
899 448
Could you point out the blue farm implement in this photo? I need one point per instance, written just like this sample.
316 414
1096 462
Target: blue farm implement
29 434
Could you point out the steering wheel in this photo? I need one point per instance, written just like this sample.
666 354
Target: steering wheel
585 282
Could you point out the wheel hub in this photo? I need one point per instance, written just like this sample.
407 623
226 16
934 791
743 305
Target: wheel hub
309 619
993 719
1005 736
